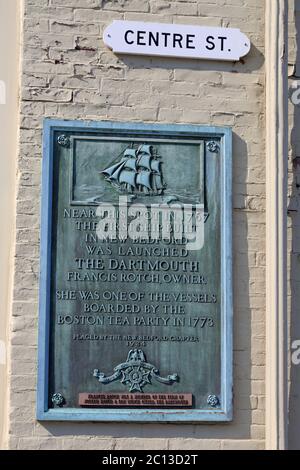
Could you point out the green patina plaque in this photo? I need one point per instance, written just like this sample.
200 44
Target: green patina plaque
136 309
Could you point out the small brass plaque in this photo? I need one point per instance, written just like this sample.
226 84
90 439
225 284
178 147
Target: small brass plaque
158 400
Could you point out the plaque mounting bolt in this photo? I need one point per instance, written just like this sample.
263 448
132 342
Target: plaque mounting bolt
213 146
63 140
213 401
57 399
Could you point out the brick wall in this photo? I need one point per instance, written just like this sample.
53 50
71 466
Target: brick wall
68 73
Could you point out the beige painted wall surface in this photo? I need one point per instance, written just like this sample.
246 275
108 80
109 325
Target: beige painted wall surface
9 42
69 73
294 225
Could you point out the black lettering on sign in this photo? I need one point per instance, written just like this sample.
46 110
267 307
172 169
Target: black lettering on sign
154 39
126 37
210 44
222 39
165 35
189 41
177 39
140 38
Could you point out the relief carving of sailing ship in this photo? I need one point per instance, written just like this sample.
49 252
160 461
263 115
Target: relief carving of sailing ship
138 172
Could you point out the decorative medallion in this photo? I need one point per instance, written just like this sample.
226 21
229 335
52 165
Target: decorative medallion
213 146
213 401
63 140
135 373
57 399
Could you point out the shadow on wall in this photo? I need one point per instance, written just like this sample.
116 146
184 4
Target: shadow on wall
254 61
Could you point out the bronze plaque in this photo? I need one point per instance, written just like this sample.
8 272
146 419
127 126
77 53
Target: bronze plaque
131 304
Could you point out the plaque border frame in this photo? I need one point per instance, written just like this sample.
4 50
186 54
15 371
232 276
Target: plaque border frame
224 413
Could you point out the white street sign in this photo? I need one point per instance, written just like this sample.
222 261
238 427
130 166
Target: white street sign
174 40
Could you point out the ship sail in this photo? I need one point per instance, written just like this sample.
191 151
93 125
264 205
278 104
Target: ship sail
131 164
145 161
109 171
138 172
127 177
143 178
116 174
157 182
148 149
130 153
155 166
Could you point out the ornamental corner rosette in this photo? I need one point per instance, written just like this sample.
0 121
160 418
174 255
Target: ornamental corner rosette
213 146
57 399
213 401
63 140
136 373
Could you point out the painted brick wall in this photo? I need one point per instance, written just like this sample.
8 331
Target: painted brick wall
68 73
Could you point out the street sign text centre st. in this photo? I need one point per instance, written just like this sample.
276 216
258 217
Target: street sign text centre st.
197 42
